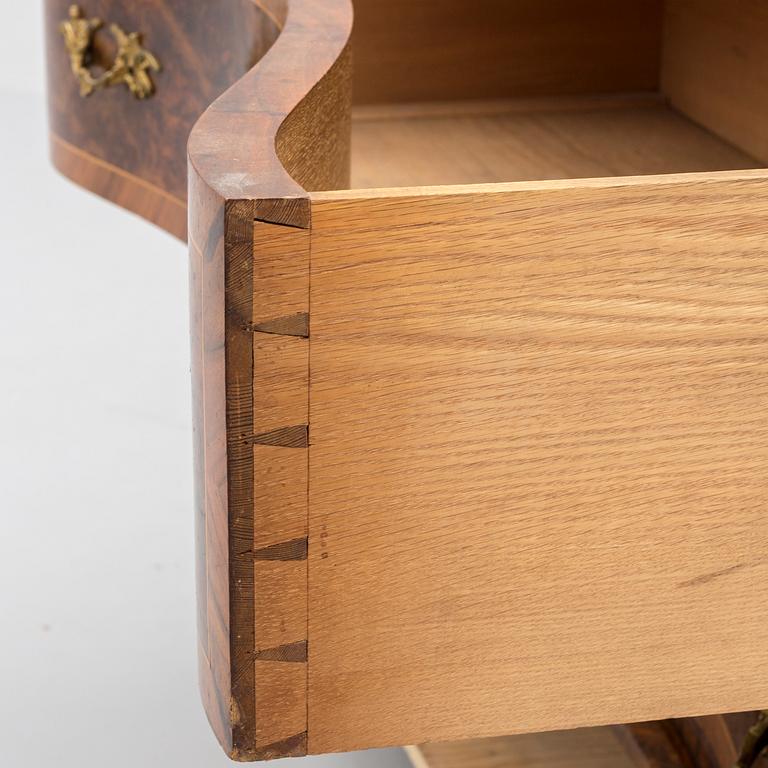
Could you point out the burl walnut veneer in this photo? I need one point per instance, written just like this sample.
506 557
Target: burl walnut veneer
480 363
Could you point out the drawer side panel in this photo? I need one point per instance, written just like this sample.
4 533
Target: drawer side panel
539 455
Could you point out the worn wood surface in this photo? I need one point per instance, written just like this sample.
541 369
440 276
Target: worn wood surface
538 457
445 49
525 139
714 67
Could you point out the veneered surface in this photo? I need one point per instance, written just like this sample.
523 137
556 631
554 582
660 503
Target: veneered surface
263 298
203 49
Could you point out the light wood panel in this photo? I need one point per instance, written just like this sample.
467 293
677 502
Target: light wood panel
583 748
539 421
447 49
526 139
715 67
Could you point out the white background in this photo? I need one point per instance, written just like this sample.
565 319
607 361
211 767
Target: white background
97 619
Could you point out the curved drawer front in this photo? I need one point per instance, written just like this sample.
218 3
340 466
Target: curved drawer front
133 151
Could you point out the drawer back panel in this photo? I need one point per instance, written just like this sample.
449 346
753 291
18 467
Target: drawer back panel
450 49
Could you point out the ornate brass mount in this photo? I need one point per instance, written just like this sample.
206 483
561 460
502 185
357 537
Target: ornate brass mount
755 743
132 62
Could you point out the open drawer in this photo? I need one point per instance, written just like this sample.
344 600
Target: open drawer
480 370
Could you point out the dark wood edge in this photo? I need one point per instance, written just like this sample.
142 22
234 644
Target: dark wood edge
121 187
712 741
297 97
655 744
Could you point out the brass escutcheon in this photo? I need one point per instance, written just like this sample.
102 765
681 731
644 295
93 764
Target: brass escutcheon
132 62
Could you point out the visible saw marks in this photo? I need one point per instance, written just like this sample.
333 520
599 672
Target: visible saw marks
279 329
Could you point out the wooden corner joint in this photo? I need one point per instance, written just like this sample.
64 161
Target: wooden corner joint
269 540
293 746
296 324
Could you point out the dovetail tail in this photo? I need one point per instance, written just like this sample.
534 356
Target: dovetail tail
289 653
293 746
290 325
287 437
296 549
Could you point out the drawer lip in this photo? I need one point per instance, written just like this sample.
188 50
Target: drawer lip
233 146
553 185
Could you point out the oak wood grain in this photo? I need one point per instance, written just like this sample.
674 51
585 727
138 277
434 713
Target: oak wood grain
714 67
280 274
526 139
538 457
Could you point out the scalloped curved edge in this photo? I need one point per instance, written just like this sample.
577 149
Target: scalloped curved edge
233 147
254 156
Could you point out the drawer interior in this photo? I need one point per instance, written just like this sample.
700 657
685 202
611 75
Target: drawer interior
522 140
600 747
518 90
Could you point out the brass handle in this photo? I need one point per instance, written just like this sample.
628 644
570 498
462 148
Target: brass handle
132 62
755 743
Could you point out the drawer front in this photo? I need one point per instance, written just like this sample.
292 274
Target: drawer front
133 150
